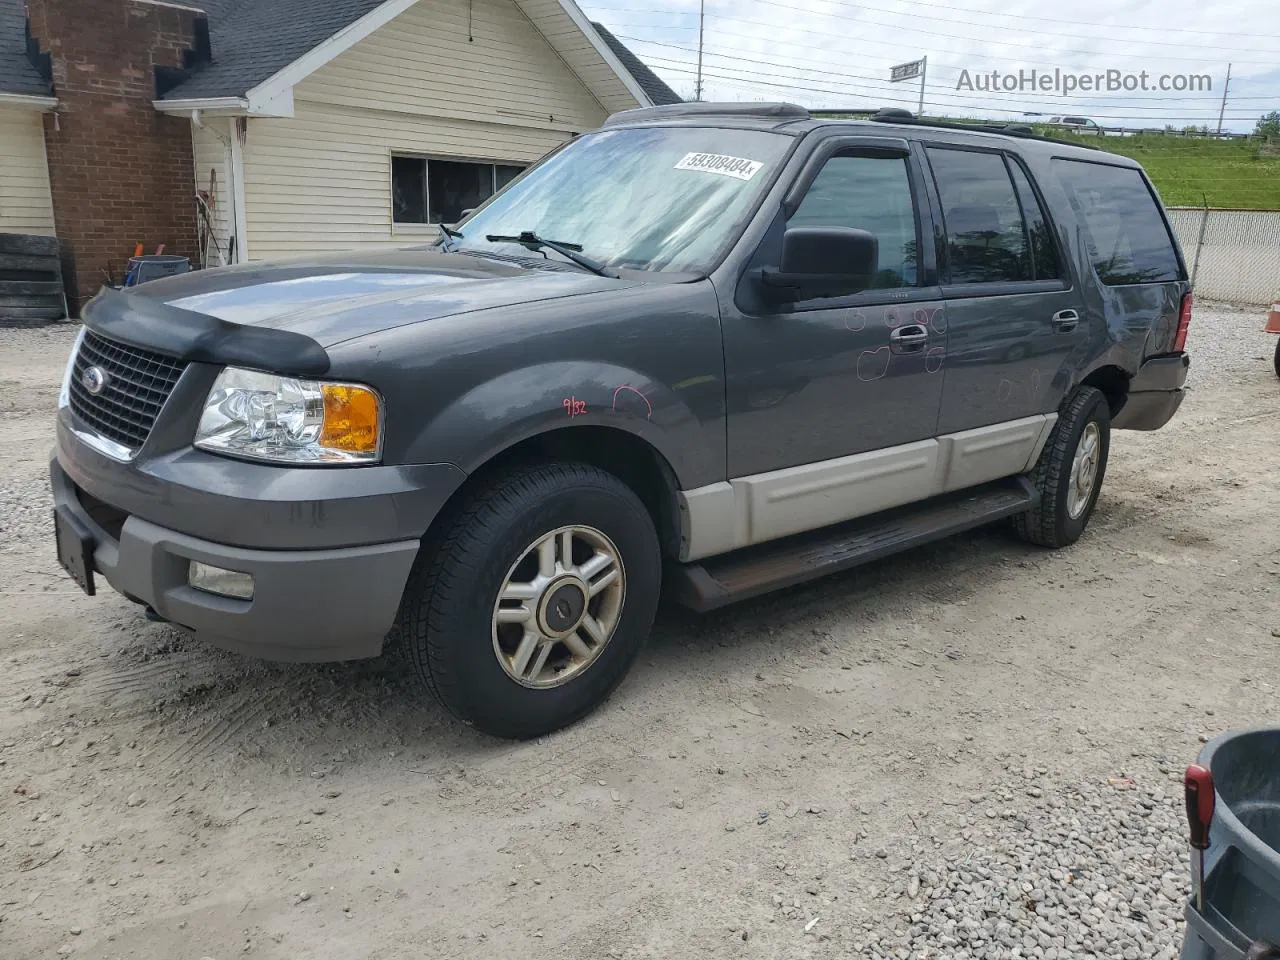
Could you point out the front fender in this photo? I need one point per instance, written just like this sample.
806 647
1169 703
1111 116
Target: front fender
534 400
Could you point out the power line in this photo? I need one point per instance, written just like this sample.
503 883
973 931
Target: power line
887 83
915 48
749 83
1146 28
934 17
1029 100
1081 23
948 35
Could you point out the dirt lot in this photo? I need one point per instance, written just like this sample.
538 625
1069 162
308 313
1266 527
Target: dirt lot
832 752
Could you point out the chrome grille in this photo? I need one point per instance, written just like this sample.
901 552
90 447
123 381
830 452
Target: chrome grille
136 385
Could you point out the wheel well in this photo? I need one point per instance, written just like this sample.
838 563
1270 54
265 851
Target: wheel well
626 456
1114 384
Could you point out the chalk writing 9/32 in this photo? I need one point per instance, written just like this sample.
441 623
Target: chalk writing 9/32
574 407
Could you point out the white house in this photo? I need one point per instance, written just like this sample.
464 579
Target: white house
26 205
309 125
409 113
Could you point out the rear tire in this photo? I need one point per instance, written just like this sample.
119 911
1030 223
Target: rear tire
1076 452
1276 361
486 571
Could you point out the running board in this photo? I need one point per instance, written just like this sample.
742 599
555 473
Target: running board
719 581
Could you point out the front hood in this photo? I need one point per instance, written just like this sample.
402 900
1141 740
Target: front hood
334 299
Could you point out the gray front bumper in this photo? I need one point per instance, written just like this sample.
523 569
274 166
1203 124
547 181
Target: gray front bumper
309 605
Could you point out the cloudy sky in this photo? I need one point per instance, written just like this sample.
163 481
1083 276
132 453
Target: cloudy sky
837 53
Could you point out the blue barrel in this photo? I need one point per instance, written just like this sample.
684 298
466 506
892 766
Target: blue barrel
153 266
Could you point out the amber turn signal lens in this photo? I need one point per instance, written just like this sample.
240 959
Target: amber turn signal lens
351 419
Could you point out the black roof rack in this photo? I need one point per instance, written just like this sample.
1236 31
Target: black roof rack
1019 130
670 111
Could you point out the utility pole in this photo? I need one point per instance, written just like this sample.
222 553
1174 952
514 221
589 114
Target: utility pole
924 68
702 20
1225 87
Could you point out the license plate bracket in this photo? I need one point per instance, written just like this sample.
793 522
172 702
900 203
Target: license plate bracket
75 548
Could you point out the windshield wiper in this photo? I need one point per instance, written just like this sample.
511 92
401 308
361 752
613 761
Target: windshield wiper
570 251
447 233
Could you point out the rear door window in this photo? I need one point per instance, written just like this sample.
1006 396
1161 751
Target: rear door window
873 194
1044 252
1128 239
986 236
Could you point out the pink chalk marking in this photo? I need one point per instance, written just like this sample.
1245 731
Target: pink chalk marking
574 407
630 389
926 317
873 364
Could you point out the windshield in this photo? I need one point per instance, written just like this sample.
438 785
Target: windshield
656 198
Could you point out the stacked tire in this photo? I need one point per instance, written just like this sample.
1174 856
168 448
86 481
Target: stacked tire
31 290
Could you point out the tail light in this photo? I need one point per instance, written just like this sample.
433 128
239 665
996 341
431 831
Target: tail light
1184 323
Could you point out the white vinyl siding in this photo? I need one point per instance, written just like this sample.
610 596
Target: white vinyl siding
422 62
321 181
579 53
210 146
26 205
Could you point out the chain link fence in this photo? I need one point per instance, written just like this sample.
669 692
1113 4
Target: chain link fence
1233 254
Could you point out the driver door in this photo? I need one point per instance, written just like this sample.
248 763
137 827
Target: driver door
833 403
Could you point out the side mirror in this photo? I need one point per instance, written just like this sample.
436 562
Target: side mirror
823 262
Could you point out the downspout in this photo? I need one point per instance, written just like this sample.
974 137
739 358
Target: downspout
239 133
233 181
234 160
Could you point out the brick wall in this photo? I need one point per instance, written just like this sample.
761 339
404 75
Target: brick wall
120 172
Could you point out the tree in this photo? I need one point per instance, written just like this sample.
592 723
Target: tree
1269 125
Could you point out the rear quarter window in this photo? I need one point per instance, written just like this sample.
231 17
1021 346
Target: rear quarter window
1128 240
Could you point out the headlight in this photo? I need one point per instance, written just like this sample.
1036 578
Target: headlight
64 394
263 416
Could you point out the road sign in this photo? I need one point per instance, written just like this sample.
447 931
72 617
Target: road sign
906 71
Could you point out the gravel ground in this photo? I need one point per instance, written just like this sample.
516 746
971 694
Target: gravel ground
972 751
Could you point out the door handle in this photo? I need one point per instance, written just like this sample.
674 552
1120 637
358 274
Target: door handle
1064 321
912 335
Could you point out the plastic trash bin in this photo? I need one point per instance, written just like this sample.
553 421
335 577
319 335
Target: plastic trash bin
155 265
1242 865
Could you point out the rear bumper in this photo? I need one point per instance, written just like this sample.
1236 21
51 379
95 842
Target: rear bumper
1155 394
307 605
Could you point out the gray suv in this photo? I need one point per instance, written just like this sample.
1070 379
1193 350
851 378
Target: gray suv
708 349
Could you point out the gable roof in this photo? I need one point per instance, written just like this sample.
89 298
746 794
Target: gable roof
17 75
649 81
254 40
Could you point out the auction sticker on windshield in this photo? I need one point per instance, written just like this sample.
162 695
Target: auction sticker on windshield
735 167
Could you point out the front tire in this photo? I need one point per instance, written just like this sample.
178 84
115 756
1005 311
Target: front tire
530 607
1276 361
1069 472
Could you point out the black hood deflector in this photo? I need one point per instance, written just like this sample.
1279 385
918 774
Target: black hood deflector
197 337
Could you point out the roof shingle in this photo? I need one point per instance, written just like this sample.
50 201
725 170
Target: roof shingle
254 39
649 81
17 75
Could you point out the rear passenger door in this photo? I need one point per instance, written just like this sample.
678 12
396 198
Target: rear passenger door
1013 317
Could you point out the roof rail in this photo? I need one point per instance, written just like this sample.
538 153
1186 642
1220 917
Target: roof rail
1020 130
671 111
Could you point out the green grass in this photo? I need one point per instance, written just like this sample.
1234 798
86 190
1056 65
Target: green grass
1187 170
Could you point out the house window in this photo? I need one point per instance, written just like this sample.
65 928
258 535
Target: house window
437 191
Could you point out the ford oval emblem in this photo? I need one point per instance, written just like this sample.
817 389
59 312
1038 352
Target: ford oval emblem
94 379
